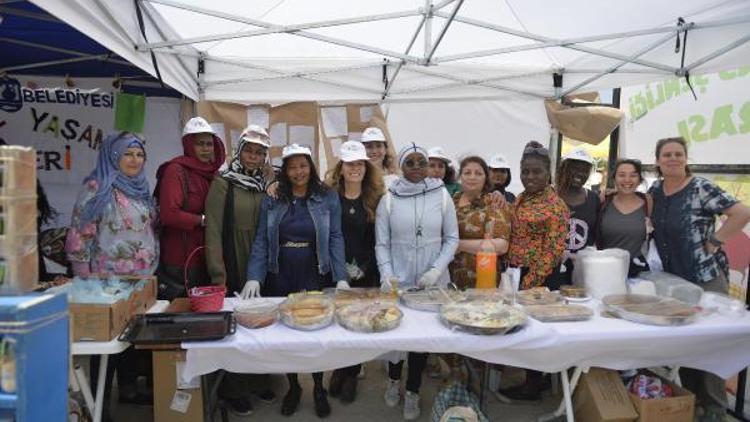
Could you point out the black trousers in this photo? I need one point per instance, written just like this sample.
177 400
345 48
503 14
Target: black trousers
417 363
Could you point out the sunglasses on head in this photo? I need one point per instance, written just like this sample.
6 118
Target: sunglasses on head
415 163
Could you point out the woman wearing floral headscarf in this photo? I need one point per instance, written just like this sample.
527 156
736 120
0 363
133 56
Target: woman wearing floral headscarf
112 229
181 189
112 233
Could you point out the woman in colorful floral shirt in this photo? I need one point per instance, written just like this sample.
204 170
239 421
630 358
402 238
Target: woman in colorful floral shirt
112 232
112 229
476 218
540 220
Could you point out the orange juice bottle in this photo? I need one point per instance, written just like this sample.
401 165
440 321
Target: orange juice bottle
486 265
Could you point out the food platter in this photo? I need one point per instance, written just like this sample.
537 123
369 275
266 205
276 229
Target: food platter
429 300
559 313
369 317
256 313
344 297
538 296
482 317
651 310
307 312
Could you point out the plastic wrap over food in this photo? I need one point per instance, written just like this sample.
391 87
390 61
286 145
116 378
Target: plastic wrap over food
670 285
98 291
603 272
307 312
723 304
256 313
369 317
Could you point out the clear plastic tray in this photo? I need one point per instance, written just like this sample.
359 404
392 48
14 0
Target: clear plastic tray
369 317
344 297
538 296
307 312
429 300
256 313
650 310
559 313
482 318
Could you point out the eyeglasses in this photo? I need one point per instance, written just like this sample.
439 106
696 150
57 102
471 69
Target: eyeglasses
418 163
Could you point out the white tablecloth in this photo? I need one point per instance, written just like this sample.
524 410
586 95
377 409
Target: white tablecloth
714 343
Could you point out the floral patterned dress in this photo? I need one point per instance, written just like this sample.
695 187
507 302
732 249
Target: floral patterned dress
122 241
537 242
474 220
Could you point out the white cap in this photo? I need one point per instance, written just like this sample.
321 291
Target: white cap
373 134
352 151
256 135
437 152
497 161
579 154
197 125
295 149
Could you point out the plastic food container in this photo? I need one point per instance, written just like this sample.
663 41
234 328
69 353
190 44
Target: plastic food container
559 313
651 310
482 317
429 300
538 296
307 312
369 317
256 313
723 305
575 292
670 285
344 297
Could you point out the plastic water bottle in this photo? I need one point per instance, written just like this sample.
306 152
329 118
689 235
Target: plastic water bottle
486 265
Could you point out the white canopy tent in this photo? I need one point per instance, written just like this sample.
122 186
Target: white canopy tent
412 51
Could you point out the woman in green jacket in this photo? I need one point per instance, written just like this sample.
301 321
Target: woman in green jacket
232 211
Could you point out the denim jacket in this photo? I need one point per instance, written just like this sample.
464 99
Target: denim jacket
325 210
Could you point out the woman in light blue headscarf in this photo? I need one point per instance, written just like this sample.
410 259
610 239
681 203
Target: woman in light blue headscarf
112 229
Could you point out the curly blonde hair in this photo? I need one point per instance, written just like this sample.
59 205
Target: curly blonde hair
372 186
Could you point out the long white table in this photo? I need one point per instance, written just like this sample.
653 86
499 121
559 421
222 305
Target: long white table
714 343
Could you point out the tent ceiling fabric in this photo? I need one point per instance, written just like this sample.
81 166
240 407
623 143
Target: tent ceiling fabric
412 50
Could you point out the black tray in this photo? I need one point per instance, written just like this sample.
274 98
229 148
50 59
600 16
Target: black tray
178 327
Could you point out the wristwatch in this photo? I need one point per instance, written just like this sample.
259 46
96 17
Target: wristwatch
714 241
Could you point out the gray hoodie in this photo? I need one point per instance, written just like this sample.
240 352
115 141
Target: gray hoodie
416 230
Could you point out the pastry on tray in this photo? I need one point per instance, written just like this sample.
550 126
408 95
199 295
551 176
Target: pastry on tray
482 317
369 317
307 311
538 296
559 312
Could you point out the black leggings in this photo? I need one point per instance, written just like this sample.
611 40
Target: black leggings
417 363
294 381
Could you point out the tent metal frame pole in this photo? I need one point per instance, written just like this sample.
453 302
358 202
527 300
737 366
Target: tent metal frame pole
552 43
401 63
442 4
479 82
60 50
149 11
292 75
466 82
114 22
439 39
275 30
304 34
614 68
716 54
55 62
26 14
288 74
572 43
427 27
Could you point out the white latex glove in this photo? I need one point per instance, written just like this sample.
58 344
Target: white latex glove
385 285
342 284
251 289
429 278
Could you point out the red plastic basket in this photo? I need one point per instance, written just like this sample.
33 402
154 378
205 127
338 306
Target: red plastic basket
205 298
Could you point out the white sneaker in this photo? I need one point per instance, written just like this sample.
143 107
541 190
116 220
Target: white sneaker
411 406
392 394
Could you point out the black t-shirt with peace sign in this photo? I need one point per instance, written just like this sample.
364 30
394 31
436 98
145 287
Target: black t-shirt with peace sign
583 219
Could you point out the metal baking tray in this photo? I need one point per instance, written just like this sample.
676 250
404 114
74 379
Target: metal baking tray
160 328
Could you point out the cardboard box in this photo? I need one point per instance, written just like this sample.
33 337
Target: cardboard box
601 397
96 322
680 407
170 403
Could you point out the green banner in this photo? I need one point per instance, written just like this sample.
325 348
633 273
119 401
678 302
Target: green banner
130 112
